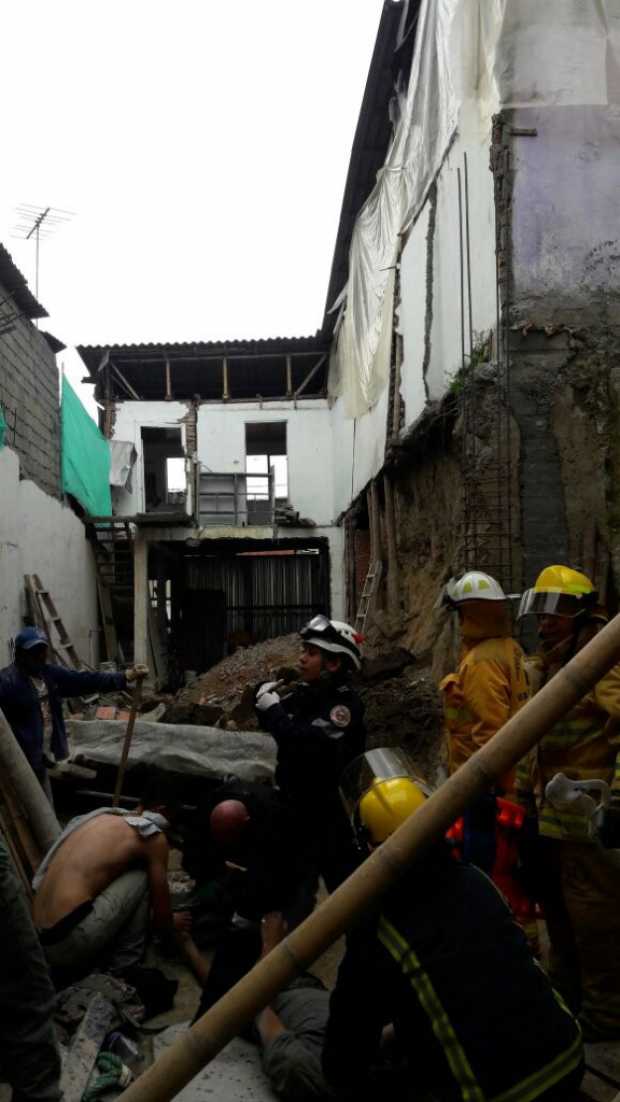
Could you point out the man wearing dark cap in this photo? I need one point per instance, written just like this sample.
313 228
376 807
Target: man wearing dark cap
31 694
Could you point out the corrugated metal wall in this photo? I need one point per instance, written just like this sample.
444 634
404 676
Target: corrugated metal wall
265 595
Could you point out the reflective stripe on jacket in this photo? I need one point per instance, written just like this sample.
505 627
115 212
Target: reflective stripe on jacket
584 745
474 1015
489 686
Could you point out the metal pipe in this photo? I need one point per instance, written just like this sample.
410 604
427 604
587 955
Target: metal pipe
468 255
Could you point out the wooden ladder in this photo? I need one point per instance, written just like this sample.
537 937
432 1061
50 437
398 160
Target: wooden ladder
49 617
370 588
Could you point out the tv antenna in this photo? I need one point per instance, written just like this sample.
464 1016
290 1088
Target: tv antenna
39 222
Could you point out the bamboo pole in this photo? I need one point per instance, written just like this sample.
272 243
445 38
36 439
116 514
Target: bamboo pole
19 779
198 1046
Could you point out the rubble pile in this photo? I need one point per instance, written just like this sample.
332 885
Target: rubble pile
212 697
401 701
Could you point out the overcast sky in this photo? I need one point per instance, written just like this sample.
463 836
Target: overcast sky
203 146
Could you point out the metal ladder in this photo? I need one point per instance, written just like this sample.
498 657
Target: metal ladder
370 588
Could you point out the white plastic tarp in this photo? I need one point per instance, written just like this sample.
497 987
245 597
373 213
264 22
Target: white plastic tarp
427 123
122 458
500 54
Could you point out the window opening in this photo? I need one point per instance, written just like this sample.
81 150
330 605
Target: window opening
265 446
165 484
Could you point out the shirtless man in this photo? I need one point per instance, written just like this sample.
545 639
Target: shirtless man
97 885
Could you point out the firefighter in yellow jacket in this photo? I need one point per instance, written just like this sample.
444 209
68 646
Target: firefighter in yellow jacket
579 879
490 684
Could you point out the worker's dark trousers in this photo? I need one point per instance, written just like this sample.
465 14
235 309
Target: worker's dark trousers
582 911
29 1058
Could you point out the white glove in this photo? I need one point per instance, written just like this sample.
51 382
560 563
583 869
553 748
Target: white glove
136 672
266 697
266 687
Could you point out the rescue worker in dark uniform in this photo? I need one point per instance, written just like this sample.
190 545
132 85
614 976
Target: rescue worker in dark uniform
242 838
243 853
318 730
441 960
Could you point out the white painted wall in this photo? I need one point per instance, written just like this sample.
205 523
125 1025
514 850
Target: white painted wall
39 535
473 139
358 448
221 447
131 418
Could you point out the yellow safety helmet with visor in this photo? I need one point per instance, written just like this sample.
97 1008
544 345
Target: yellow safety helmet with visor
379 791
559 591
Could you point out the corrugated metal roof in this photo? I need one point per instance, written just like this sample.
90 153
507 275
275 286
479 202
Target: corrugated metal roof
53 342
12 280
157 353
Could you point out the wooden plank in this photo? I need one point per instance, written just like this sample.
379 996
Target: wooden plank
107 619
289 376
140 601
168 382
17 822
310 376
84 1049
15 853
128 387
225 385
392 553
603 1059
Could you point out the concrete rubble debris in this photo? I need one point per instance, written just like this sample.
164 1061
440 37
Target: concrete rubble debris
235 1075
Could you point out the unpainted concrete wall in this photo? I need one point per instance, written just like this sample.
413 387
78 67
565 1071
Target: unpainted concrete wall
565 230
29 386
40 536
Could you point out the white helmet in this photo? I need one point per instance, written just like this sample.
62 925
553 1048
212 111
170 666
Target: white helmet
473 586
334 636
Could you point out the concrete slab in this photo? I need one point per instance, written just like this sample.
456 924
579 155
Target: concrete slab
236 1074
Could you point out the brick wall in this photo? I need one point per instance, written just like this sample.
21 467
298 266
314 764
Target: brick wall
29 389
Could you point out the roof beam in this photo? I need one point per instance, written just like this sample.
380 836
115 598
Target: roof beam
310 375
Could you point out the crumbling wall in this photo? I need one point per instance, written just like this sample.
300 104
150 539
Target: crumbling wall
555 169
30 391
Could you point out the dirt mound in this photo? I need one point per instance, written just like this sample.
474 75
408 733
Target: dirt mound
401 702
222 687
406 711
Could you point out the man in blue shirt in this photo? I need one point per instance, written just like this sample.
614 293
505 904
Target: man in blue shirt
31 694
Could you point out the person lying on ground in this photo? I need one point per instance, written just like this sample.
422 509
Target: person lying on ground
29 1054
100 882
31 694
290 1030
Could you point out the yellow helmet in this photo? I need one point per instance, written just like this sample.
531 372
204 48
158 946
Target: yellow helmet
379 791
386 806
559 591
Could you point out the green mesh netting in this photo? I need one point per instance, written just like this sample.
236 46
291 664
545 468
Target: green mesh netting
85 463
